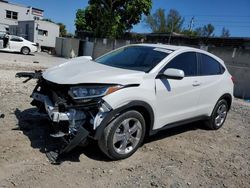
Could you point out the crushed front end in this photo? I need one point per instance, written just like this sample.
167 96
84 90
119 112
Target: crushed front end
75 111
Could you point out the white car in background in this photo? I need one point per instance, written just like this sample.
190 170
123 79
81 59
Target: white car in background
12 43
134 91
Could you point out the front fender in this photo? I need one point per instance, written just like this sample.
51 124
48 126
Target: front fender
116 112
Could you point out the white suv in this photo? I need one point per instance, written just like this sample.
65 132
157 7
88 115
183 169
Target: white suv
131 92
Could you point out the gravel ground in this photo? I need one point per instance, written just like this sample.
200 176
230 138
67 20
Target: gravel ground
188 156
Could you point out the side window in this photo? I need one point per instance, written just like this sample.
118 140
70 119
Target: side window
209 66
186 61
42 32
11 15
16 39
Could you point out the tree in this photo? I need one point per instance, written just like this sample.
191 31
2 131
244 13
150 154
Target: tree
189 33
62 29
205 31
111 18
174 21
159 23
225 32
81 20
70 35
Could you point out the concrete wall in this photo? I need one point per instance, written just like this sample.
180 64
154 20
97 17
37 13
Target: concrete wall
24 13
87 48
232 56
238 64
67 47
242 81
102 46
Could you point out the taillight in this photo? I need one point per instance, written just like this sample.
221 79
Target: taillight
233 79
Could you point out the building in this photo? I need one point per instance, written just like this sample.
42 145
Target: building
11 13
42 32
26 22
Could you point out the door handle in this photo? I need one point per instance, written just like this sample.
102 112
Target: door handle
196 83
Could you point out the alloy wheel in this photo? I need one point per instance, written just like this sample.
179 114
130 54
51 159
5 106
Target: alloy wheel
127 136
221 115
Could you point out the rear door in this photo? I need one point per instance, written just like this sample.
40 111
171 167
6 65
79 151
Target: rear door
177 99
211 83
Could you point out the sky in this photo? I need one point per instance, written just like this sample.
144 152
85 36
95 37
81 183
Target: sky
231 14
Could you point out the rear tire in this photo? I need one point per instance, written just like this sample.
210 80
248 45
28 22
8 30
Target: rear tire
123 136
25 50
218 116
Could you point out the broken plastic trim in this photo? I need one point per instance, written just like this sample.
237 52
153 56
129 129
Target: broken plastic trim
54 155
103 111
29 75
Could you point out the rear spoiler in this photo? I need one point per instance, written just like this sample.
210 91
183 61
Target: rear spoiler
29 75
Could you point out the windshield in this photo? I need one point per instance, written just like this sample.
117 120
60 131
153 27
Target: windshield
140 58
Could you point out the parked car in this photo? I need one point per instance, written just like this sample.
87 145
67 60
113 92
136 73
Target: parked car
132 92
11 43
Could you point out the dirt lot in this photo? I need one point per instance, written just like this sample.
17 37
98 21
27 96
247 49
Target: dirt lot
188 156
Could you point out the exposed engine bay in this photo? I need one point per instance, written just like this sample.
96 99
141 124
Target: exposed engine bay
74 119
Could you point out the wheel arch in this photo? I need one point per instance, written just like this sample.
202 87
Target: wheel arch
228 97
142 107
25 47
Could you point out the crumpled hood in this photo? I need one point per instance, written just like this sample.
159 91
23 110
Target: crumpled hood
82 70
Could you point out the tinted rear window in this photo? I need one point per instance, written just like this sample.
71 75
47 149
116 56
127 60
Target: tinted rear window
209 66
16 39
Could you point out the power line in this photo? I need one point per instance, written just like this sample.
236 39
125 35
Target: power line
231 26
191 24
228 23
222 25
220 21
217 16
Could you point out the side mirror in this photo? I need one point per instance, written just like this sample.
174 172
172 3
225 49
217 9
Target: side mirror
170 73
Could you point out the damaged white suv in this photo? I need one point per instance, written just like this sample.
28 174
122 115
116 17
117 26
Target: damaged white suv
131 92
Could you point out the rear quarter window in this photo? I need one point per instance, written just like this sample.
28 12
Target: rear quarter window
16 39
209 66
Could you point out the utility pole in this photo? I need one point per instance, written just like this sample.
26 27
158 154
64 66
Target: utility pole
191 24
172 28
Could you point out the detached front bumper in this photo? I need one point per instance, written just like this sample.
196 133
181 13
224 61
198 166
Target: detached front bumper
77 134
53 112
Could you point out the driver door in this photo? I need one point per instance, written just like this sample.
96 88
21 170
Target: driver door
15 43
177 100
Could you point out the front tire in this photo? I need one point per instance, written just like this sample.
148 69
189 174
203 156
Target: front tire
218 116
123 136
25 50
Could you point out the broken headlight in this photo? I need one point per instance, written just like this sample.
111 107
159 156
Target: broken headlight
86 92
